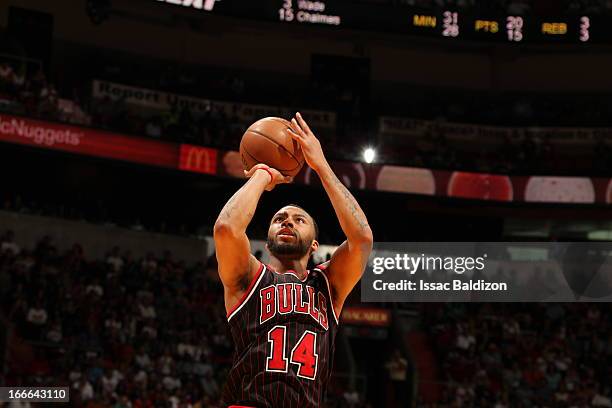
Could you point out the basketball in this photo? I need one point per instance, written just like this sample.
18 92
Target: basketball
269 141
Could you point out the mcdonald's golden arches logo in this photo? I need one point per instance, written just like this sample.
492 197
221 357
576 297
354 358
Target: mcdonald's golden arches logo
198 159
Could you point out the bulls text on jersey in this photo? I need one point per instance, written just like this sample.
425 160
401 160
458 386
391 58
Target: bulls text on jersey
286 298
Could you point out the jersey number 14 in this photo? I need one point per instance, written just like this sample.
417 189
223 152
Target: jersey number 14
303 353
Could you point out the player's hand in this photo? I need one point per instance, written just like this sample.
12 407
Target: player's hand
311 147
276 176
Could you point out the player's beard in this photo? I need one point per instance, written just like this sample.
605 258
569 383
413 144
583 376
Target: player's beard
295 249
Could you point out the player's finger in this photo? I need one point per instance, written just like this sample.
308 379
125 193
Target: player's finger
297 128
294 126
302 123
294 135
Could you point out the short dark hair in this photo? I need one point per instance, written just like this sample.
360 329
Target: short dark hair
316 227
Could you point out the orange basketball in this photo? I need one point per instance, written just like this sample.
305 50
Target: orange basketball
268 141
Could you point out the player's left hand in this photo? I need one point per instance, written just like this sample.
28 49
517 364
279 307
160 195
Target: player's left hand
311 147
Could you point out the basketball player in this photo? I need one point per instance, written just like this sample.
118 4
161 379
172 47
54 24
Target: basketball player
284 318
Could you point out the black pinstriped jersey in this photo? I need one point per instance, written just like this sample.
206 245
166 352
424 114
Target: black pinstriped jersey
283 330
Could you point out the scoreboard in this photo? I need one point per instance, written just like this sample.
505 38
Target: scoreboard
448 24
515 28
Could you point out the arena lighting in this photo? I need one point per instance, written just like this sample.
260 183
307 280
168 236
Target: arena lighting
369 154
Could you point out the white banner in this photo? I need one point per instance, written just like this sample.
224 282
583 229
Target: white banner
245 112
390 126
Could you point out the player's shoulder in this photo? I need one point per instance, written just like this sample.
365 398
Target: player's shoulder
320 272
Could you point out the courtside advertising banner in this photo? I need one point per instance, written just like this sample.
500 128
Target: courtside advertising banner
356 176
91 142
489 272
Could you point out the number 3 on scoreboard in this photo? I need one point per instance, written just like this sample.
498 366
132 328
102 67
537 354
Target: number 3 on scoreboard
303 354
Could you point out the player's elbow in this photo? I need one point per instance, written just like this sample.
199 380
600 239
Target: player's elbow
222 229
364 239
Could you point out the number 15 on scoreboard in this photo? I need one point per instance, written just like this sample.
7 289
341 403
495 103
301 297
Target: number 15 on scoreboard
285 13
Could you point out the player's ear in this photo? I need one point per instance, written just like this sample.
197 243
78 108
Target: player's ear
314 246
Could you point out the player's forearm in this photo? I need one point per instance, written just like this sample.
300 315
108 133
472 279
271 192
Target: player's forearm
352 220
239 210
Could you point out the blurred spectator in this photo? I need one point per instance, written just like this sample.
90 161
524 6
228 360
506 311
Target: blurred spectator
6 77
209 384
397 368
55 333
153 127
37 317
83 389
8 243
48 101
114 259
351 398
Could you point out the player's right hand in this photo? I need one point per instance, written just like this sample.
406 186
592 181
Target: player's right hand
275 176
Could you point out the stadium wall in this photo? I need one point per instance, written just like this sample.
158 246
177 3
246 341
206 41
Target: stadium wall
99 239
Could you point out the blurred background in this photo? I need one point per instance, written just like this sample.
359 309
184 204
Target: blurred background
450 120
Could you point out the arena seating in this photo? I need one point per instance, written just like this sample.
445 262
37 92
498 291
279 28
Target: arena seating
521 355
32 94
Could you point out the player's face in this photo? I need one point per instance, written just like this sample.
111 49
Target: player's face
291 233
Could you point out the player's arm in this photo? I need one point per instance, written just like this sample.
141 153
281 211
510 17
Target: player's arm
236 264
348 262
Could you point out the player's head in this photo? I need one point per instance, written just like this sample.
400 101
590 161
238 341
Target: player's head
293 233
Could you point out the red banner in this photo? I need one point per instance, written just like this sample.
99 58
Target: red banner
87 141
401 179
456 184
366 316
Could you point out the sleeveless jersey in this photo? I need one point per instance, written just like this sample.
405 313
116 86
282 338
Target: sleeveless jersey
283 331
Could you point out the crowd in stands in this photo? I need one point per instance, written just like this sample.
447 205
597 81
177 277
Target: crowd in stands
528 155
502 109
32 94
131 332
213 128
28 92
122 332
522 355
